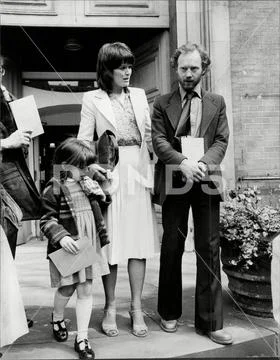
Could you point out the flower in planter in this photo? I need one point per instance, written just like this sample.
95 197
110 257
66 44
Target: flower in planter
247 227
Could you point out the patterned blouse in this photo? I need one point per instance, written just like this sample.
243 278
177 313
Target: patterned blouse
127 130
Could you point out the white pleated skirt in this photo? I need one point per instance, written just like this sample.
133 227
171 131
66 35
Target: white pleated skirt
131 219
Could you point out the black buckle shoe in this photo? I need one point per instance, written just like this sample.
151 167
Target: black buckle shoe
86 353
61 334
29 323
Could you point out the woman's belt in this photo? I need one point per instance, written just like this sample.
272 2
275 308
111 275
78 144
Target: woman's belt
129 142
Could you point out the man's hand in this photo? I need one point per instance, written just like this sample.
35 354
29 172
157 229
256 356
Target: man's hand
202 166
70 245
191 170
97 172
16 140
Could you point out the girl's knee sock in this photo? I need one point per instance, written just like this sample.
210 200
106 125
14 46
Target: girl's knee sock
83 313
60 302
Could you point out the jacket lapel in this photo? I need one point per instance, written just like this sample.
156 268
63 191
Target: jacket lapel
103 104
174 108
209 109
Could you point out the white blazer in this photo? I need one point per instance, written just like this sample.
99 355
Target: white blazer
97 115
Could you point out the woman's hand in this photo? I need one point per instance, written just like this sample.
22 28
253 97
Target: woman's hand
90 186
70 245
17 139
97 172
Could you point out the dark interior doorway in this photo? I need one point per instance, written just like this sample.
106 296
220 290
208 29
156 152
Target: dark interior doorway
43 48
49 141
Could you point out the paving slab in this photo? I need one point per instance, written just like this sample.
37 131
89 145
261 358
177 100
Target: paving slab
252 336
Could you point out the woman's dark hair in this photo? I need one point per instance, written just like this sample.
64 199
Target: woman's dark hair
74 152
189 47
110 57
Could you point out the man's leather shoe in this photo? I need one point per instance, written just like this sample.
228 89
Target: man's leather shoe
168 325
219 336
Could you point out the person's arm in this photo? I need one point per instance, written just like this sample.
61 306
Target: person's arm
49 222
97 199
87 124
86 134
216 152
148 129
16 140
162 146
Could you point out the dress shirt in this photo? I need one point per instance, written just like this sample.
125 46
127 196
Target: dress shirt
196 108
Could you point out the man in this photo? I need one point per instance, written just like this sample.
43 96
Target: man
181 182
14 174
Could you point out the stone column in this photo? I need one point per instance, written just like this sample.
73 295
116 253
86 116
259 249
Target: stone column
221 72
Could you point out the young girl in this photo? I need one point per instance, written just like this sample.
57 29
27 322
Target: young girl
68 208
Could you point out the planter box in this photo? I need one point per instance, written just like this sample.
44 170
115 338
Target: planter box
251 291
250 288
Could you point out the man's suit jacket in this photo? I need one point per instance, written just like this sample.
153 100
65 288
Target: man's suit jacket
97 116
14 173
214 129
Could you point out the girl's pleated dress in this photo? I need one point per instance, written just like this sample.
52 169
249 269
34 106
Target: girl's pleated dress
131 220
87 230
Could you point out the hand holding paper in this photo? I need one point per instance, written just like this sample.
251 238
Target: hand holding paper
17 139
190 169
192 148
70 245
26 115
67 263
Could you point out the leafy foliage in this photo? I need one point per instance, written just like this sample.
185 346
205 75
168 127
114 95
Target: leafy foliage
247 227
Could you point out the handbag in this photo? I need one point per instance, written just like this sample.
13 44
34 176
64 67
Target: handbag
107 150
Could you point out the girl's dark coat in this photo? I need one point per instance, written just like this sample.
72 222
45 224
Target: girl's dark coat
58 217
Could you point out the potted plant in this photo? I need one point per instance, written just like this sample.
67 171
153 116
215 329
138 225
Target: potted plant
247 229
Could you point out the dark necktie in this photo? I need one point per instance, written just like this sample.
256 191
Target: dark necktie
184 125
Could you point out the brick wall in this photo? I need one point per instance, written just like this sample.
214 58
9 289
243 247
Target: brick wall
255 63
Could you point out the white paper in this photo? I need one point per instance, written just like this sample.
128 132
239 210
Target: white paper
26 115
192 147
68 263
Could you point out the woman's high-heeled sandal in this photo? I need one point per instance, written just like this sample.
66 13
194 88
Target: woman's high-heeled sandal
138 330
110 329
61 334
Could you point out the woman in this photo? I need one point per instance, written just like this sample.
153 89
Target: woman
131 221
13 323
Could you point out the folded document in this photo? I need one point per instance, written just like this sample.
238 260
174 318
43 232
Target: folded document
26 115
68 264
192 147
